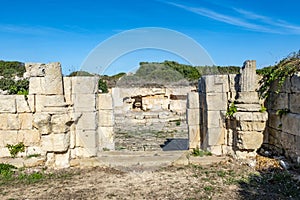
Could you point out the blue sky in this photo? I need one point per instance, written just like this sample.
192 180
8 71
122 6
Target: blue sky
231 31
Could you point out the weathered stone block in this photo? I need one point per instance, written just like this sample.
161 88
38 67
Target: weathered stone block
215 119
41 121
251 116
31 137
106 118
37 85
193 116
62 160
8 104
85 152
216 150
291 123
35 70
248 80
106 138
31 102
60 123
275 120
216 101
25 120
8 137
87 121
247 98
34 150
67 81
216 136
105 101
72 139
295 82
294 104
4 152
86 139
22 104
249 140
251 126
84 102
55 142
213 84
285 88
193 100
50 103
84 85
9 121
278 101
248 107
194 136
178 106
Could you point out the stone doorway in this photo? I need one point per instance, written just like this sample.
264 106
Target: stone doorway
150 119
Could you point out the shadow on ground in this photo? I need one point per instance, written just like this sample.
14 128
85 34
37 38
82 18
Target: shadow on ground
270 184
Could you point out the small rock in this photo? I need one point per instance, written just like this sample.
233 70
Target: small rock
284 164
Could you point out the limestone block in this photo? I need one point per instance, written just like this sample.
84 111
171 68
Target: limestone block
229 137
41 121
291 123
8 137
193 100
214 84
278 101
8 104
248 107
216 101
13 122
216 150
216 136
62 160
215 119
87 121
72 139
53 79
37 85
247 98
106 118
50 159
85 152
67 81
84 85
25 120
86 139
193 116
50 103
251 126
295 82
249 140
251 116
294 103
274 120
4 152
194 136
55 142
233 82
84 102
9 121
285 88
106 138
34 162
178 106
22 104
34 150
31 102
35 69
105 101
31 137
60 123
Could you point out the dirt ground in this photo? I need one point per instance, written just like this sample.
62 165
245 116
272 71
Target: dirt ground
226 180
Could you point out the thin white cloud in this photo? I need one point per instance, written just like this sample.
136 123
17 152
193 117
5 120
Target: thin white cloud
269 21
31 30
244 19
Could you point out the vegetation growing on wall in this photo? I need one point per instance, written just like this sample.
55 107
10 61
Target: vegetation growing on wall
287 67
9 70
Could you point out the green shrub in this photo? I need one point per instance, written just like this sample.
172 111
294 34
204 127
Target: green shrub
231 110
15 149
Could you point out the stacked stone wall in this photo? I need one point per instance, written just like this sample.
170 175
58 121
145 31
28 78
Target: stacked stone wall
283 127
